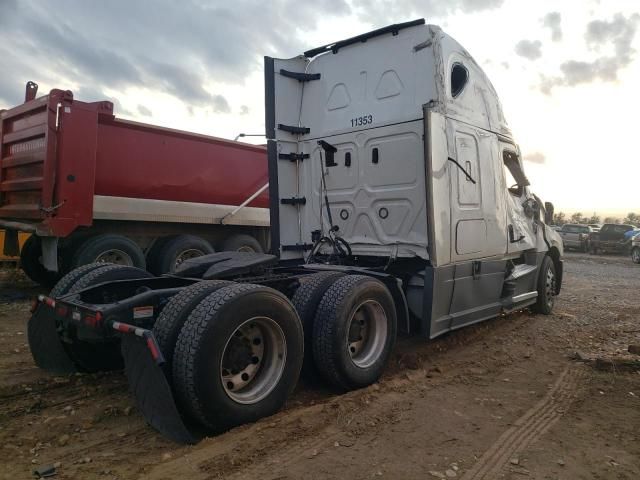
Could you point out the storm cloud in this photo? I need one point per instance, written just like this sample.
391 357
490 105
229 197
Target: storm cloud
176 48
529 49
408 9
553 21
617 35
144 111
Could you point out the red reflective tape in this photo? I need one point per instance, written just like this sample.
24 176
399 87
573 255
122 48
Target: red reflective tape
154 349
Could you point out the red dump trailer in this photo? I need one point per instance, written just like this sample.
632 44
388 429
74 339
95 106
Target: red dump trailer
92 187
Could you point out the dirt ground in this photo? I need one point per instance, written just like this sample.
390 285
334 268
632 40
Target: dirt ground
505 399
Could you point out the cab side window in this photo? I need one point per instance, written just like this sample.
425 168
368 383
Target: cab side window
513 173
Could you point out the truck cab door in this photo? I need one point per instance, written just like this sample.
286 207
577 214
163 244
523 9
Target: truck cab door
477 212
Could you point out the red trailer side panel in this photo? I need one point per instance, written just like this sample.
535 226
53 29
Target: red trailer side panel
143 161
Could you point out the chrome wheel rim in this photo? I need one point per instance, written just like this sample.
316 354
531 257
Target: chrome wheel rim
367 333
635 255
186 255
253 360
550 288
115 256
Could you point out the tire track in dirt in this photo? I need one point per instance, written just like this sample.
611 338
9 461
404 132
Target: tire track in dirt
529 427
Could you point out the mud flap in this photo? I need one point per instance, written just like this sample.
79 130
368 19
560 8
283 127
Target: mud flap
151 389
44 342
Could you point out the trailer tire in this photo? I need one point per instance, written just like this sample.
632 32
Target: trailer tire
242 243
109 248
30 262
546 287
174 250
635 254
173 316
345 357
306 301
222 335
98 356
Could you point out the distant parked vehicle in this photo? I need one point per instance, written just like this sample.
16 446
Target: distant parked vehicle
595 227
635 248
611 238
556 228
576 236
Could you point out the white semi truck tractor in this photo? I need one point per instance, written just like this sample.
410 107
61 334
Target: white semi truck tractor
398 203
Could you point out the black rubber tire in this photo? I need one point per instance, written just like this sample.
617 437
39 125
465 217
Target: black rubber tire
330 334
201 344
242 243
108 273
65 283
30 262
99 356
637 259
306 300
174 315
153 253
91 248
544 304
166 256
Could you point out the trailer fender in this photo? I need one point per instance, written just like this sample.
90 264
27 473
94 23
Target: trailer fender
150 388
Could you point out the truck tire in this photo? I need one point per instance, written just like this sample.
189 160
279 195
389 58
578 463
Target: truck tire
242 243
175 250
252 337
306 301
635 254
109 248
354 331
65 283
175 313
108 273
546 287
98 356
31 265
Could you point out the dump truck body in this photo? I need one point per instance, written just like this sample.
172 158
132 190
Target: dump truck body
68 166
390 211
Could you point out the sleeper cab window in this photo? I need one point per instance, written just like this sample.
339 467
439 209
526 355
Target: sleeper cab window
459 78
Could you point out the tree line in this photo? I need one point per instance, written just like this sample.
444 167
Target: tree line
560 218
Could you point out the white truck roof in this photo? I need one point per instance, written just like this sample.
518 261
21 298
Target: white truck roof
392 77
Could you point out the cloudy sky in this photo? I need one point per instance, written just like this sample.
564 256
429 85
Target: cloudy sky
568 72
